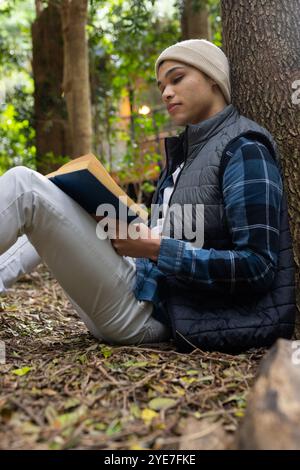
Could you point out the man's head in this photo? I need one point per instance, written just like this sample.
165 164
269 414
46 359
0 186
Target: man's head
194 74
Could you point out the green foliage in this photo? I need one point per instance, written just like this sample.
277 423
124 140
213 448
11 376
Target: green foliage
52 162
15 138
215 21
16 87
148 187
124 44
15 39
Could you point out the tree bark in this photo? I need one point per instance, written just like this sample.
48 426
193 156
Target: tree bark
49 107
195 20
131 96
76 83
38 7
261 40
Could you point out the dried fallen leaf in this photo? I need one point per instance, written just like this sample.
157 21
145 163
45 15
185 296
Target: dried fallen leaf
22 371
162 403
148 415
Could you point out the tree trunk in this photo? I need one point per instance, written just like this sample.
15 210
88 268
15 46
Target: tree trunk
38 7
261 40
132 110
47 66
195 20
76 83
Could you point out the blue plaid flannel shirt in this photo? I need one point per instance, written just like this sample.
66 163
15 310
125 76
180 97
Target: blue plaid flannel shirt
252 193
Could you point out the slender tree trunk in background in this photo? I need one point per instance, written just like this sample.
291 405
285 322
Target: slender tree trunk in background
76 83
131 105
47 65
108 135
195 20
261 40
96 68
38 7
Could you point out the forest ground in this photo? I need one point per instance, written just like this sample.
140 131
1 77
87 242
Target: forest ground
62 389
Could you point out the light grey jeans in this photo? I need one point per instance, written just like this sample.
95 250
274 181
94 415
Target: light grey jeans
53 228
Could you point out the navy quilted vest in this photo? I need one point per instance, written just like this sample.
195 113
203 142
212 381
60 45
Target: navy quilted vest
211 321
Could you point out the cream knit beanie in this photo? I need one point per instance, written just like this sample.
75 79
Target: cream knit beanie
203 55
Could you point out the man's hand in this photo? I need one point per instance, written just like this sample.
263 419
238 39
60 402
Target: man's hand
136 240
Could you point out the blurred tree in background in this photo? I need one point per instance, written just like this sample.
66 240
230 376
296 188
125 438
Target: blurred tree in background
130 43
50 110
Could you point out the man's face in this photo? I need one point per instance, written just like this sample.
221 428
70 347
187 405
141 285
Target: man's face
193 92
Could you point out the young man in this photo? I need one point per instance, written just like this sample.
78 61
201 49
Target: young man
229 289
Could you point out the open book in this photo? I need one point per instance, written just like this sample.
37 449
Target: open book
86 181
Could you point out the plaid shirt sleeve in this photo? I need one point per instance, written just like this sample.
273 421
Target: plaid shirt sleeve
252 193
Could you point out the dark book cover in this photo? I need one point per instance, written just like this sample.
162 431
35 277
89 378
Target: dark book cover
89 192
